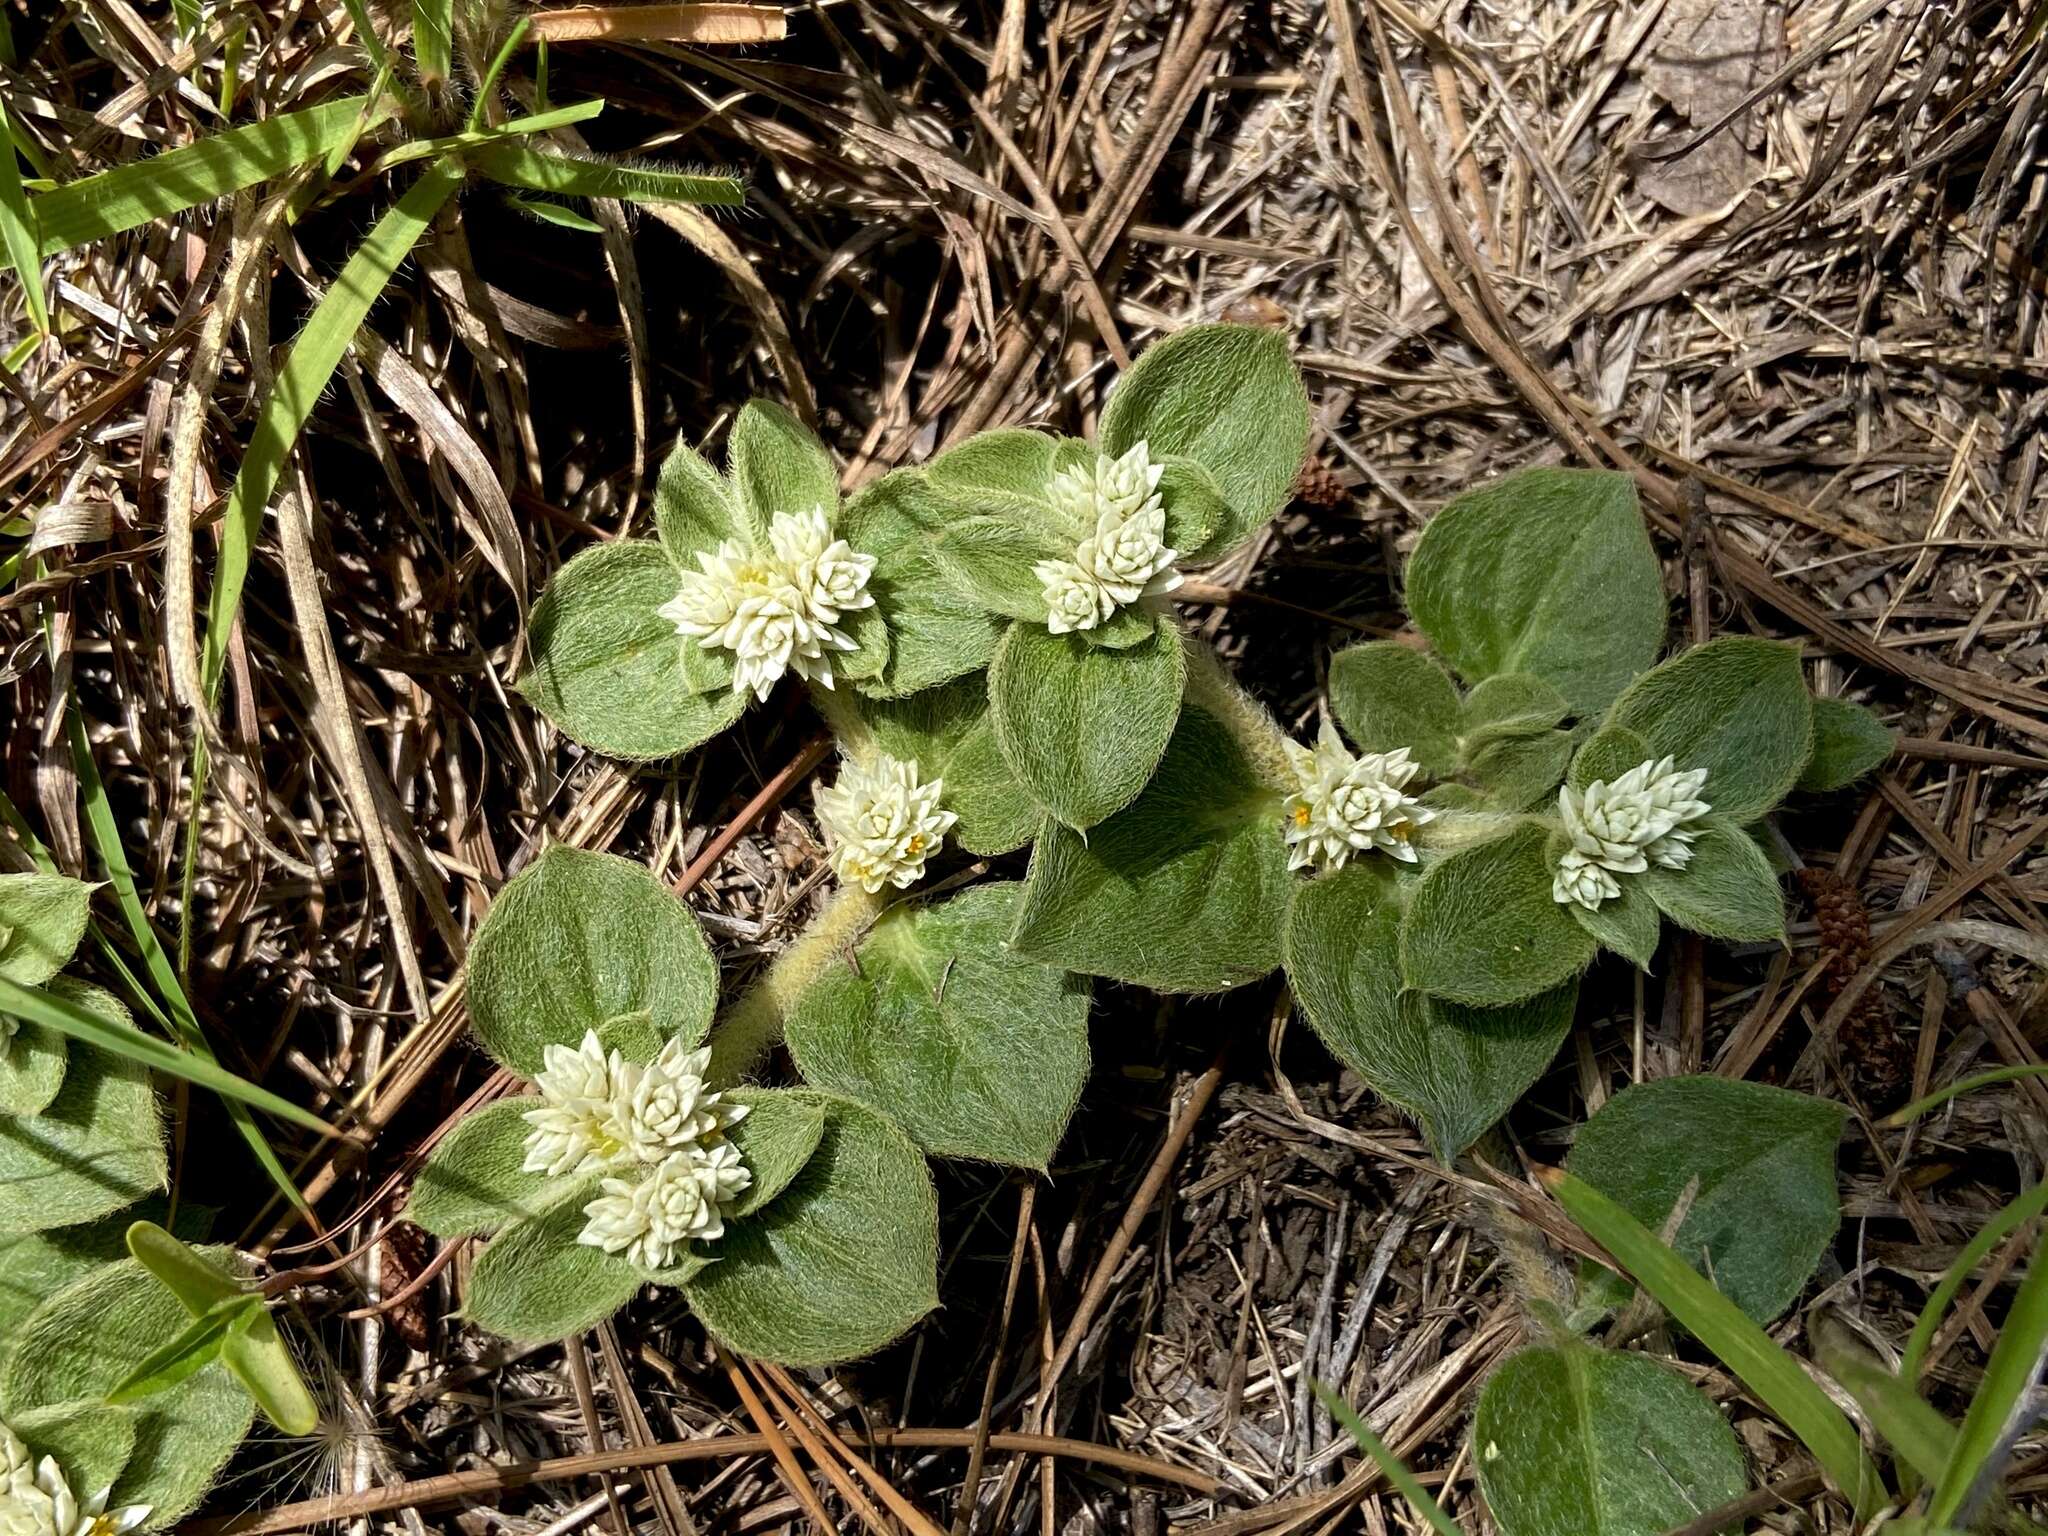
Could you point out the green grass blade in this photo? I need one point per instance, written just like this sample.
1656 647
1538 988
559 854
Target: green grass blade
1388 1463
1955 1090
557 214
1913 1427
81 1023
130 195
366 35
489 88
18 229
2008 1376
517 165
197 1347
433 38
315 355
1762 1366
2021 1210
179 1018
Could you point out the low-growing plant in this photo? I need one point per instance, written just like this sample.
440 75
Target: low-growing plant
990 637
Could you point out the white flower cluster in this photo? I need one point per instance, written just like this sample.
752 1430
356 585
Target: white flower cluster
1624 827
1122 554
779 611
35 1499
652 1125
881 823
1347 804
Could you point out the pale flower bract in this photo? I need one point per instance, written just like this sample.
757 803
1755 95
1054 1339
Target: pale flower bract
664 1106
681 1199
779 611
36 1499
881 822
1622 828
575 1086
1118 520
1344 805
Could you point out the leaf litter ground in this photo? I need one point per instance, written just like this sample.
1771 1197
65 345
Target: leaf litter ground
1780 254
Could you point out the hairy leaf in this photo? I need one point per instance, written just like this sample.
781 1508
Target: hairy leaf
1765 1208
1728 891
42 918
1848 742
1388 696
1483 928
1517 772
1229 398
609 671
34 1266
1737 707
1455 1069
1546 571
778 1136
696 510
777 465
947 733
97 1147
31 1069
990 563
842 1263
1628 924
1001 471
935 635
1570 1440
1508 705
519 165
576 940
91 1441
535 1283
1083 727
474 1179
1609 753
82 1341
1183 892
975 1051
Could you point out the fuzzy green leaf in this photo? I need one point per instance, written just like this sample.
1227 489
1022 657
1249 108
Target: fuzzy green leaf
1483 928
97 1147
1080 726
695 510
1455 1069
1571 1440
947 733
976 1052
1848 742
535 1283
608 670
1229 398
35 1266
1003 471
988 562
1628 924
1183 892
778 1136
31 1069
1196 511
576 940
777 465
519 165
1388 696
1737 707
474 1179
1607 755
1766 1207
42 918
1518 772
91 1441
842 1263
82 1341
1546 571
935 635
1728 891
1508 705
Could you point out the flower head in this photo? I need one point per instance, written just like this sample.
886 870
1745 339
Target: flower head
663 1107
1120 554
1624 827
681 1199
881 822
36 1500
569 1125
1345 804
778 611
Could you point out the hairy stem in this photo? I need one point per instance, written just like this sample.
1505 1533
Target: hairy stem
1211 689
753 1025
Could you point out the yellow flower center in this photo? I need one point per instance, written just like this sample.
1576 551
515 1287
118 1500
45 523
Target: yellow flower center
1301 815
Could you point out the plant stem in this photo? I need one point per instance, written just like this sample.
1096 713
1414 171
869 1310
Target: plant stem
753 1025
1211 689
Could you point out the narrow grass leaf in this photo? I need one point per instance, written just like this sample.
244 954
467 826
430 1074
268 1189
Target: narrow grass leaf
18 226
176 1013
558 215
314 357
433 36
127 196
1955 1090
192 1350
1389 1464
516 165
2028 1205
2009 1376
81 1023
1765 1368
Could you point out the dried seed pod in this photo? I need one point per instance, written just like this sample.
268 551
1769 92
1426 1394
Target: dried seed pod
1319 486
1878 1058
